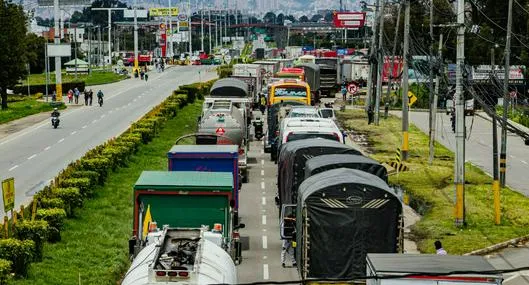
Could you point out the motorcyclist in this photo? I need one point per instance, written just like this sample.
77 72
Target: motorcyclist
55 113
100 95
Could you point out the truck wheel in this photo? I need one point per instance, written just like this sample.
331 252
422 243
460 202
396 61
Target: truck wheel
245 177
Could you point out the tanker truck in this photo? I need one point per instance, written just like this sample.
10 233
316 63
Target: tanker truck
225 120
182 256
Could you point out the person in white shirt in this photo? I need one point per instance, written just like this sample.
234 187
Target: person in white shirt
439 248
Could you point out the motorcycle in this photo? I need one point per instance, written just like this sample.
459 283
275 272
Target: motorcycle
100 101
258 129
55 122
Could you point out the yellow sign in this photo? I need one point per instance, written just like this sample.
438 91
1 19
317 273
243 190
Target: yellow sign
163 12
8 192
411 98
58 93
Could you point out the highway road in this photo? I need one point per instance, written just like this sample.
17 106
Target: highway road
479 146
36 154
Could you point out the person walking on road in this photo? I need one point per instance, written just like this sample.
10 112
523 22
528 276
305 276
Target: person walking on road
76 94
90 96
86 94
70 96
344 93
439 250
288 228
146 76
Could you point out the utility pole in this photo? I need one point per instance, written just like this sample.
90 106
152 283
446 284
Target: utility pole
434 104
99 46
190 28
503 153
372 55
405 123
89 50
392 64
430 89
135 36
109 29
209 28
216 32
495 174
460 118
75 48
202 26
380 61
57 41
170 36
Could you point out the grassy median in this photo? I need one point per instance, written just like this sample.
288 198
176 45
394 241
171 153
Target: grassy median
432 191
24 108
96 78
94 246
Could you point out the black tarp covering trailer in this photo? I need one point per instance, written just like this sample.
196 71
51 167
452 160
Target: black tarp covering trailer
229 87
341 215
291 163
326 162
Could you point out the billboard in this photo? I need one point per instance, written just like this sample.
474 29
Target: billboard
139 13
49 3
59 50
155 12
348 19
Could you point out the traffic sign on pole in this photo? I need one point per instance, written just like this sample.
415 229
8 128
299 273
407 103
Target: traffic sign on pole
352 88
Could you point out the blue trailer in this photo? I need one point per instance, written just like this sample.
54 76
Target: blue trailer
211 158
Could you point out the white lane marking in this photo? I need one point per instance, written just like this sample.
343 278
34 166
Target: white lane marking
13 168
511 278
61 140
110 111
135 99
117 108
263 220
262 151
265 242
264 192
32 157
128 104
47 148
73 133
262 161
263 200
85 126
265 257
265 272
523 161
264 230
262 185
94 121
262 172
102 116
511 156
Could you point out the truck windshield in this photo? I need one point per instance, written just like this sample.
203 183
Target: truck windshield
327 113
302 136
290 92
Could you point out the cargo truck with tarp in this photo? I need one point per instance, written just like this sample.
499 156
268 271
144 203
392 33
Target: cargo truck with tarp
429 269
185 199
326 162
341 215
312 77
292 159
182 256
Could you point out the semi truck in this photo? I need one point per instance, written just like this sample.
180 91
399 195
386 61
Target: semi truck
251 74
185 199
429 269
330 77
182 256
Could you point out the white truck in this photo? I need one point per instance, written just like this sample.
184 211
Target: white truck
182 256
251 74
429 269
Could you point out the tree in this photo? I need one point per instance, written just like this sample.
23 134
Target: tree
13 46
316 18
35 53
280 19
291 18
304 19
328 17
270 18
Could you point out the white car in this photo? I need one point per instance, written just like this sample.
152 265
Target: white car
304 128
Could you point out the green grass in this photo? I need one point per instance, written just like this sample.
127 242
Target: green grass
21 109
96 78
432 191
94 245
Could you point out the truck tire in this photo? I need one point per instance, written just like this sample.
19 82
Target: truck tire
245 178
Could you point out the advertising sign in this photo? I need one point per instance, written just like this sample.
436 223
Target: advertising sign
160 12
183 26
139 13
348 19
49 3
59 50
182 17
8 193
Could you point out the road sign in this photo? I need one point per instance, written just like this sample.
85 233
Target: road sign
8 192
411 98
163 11
349 19
352 88
220 131
182 17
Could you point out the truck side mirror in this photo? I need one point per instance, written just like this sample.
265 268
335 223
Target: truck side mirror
132 245
239 226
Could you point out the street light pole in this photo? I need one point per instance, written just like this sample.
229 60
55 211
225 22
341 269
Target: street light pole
405 86
380 67
135 36
57 41
503 153
202 26
170 41
110 28
209 27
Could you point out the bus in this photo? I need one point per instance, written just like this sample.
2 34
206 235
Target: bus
291 72
289 90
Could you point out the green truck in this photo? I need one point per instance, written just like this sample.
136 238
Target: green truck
185 199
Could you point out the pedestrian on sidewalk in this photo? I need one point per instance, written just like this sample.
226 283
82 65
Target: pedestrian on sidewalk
439 250
146 76
76 94
344 94
70 96
86 95
90 96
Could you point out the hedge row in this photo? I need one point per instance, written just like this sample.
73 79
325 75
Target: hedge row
78 181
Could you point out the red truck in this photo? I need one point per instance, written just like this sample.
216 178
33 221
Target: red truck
142 59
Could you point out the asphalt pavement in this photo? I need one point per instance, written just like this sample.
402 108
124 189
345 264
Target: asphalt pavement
478 149
36 154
